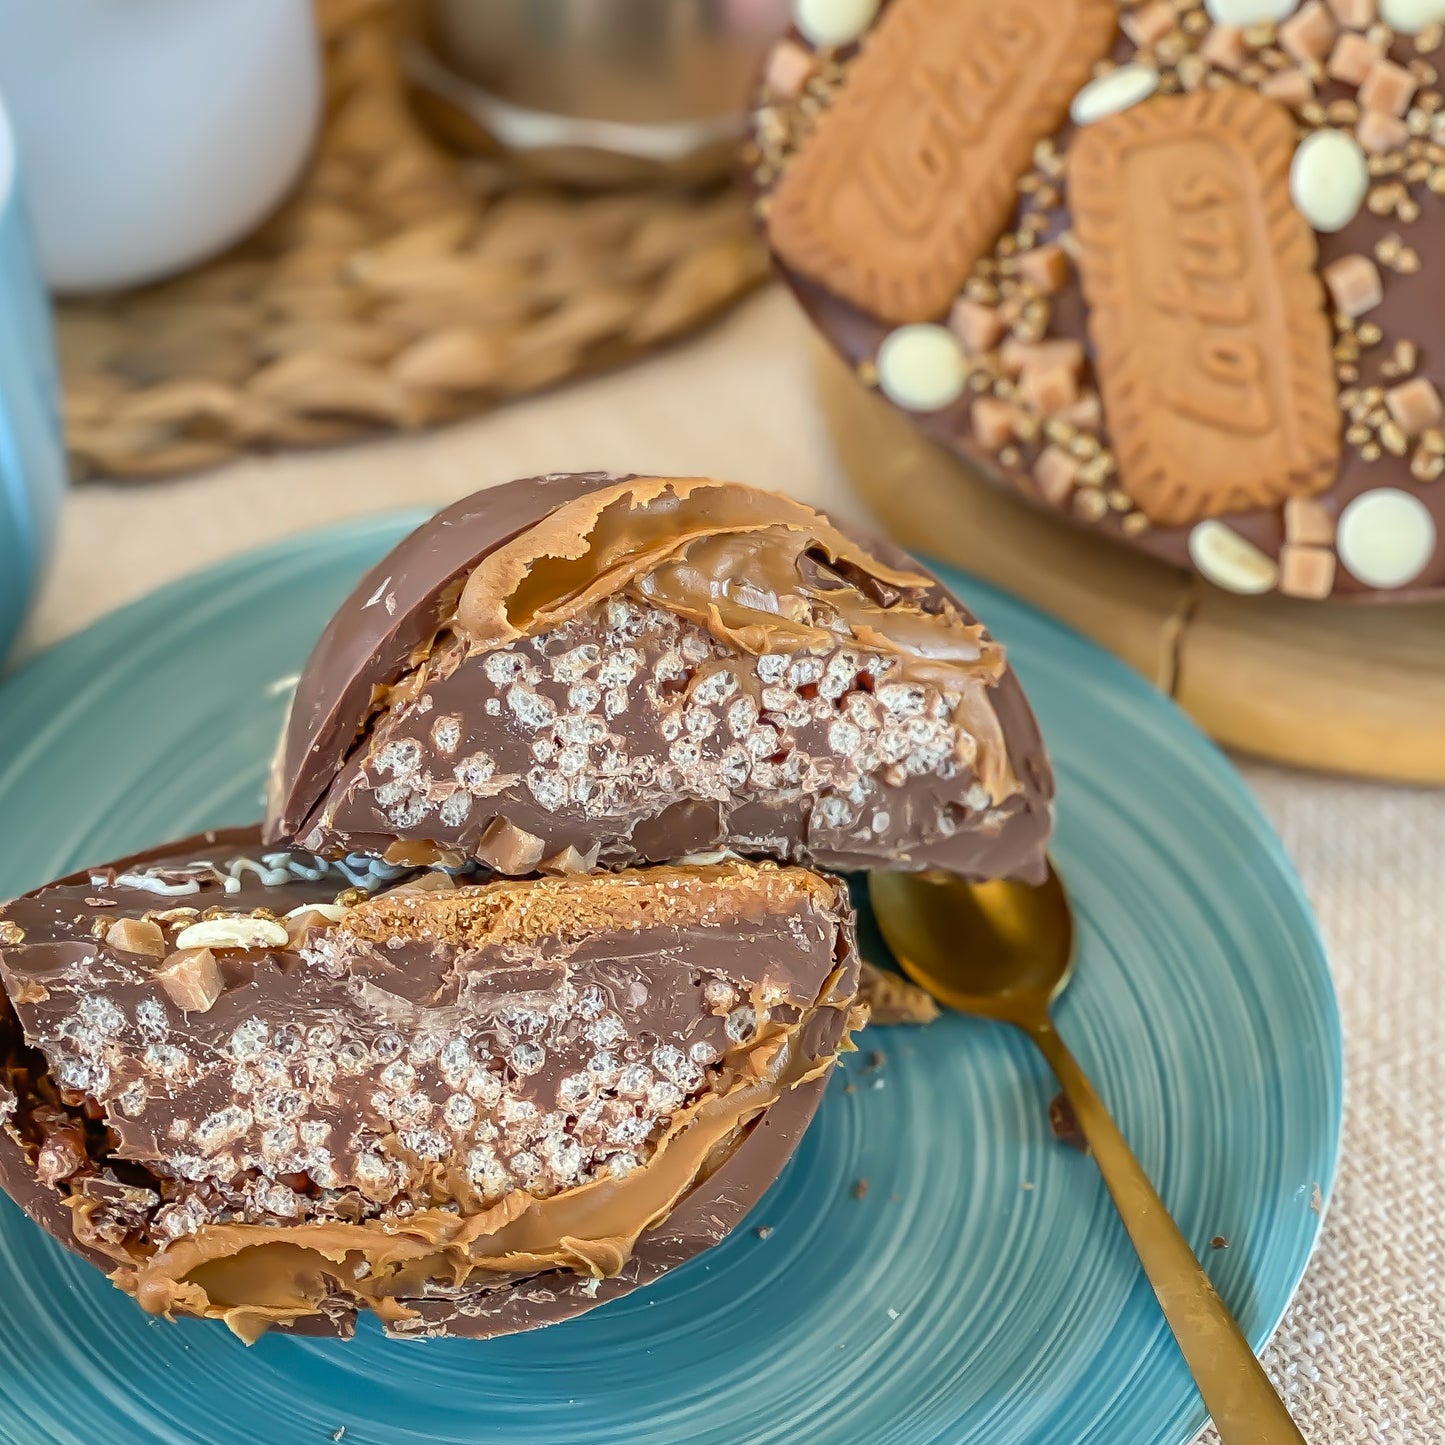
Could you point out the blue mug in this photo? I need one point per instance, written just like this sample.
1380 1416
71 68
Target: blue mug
32 447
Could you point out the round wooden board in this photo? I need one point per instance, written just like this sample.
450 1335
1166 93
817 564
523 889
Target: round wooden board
1350 689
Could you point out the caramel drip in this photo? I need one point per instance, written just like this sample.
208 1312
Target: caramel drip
588 549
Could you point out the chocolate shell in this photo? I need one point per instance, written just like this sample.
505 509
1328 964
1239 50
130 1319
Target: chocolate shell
1166 270
258 1087
575 671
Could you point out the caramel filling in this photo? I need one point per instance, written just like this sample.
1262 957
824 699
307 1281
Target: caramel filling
760 571
521 913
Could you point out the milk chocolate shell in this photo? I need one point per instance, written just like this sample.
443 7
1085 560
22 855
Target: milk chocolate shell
258 1087
1166 268
575 671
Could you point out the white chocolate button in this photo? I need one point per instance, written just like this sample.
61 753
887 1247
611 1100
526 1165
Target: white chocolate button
1328 179
1410 17
1249 12
830 23
922 367
1111 93
1230 561
1386 537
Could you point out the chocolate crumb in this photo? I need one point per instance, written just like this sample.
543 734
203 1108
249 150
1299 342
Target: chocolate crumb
876 1059
860 1189
1219 1242
1065 1124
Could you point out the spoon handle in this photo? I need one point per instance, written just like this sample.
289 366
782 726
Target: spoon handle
1237 1392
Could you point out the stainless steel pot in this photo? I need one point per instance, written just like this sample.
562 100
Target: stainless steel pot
589 89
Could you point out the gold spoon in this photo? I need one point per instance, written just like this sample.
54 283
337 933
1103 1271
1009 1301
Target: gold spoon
1005 951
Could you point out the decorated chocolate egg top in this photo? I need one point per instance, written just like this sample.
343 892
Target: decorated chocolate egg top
1167 268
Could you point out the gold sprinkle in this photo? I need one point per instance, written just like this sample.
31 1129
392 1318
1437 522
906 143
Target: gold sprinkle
1358 435
1407 357
1408 210
867 371
1134 524
1381 199
1260 36
1009 456
1394 439
1370 453
1118 501
12 933
1312 113
1430 38
1347 373
1192 71
1342 112
1090 504
1369 334
1433 440
1425 467
351 897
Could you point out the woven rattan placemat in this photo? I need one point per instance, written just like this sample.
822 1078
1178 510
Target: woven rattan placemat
400 286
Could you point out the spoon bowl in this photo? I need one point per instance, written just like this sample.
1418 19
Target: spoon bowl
998 949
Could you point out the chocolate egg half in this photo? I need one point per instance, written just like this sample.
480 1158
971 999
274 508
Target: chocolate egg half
575 671
258 1087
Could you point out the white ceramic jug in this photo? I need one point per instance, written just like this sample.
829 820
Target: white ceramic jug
155 132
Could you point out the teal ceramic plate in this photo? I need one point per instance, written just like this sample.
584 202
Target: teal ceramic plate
980 1291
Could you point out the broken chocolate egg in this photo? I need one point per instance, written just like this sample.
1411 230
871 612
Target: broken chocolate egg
467 1107
579 671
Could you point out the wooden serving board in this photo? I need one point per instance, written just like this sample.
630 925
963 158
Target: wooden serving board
1356 689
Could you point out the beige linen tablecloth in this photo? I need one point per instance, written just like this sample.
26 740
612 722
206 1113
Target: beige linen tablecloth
1361 1354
